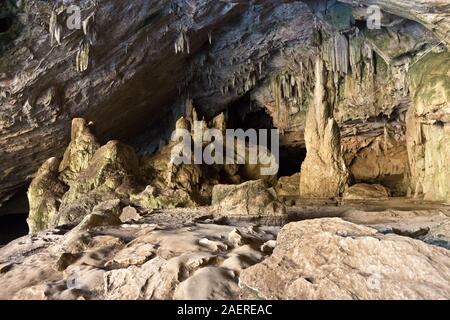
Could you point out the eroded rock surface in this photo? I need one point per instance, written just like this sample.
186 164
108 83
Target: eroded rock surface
334 259
158 257
184 254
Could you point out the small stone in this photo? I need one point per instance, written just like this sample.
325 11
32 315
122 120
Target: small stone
213 245
235 238
129 214
268 246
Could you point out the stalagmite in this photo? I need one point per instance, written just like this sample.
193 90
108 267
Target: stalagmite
323 174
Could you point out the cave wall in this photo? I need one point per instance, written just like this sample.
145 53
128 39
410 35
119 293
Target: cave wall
428 127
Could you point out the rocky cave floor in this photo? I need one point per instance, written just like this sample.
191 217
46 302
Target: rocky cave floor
392 249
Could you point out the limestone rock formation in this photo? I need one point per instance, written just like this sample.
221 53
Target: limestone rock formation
428 127
334 259
324 173
43 84
181 254
64 192
82 147
252 198
44 196
110 174
365 191
104 214
433 14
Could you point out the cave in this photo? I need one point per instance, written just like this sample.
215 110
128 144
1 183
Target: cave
109 190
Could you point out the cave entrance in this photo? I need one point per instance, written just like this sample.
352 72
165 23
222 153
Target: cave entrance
246 114
13 218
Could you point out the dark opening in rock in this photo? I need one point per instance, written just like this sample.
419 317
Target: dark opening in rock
5 24
13 218
245 114
291 159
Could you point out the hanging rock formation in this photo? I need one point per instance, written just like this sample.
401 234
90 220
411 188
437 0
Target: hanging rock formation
323 173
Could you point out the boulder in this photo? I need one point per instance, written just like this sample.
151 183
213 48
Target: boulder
335 259
364 191
104 214
288 186
153 198
129 214
252 198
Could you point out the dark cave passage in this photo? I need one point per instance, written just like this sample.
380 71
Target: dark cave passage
13 218
245 114
5 24
291 159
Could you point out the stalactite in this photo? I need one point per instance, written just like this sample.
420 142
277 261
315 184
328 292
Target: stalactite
339 51
55 28
189 109
386 137
82 60
182 44
356 55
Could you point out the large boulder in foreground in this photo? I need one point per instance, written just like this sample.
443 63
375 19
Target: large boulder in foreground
334 259
252 198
